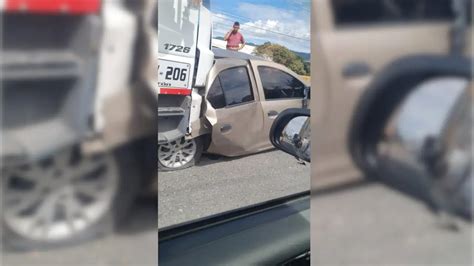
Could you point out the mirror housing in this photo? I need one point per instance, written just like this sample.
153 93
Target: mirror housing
386 92
291 133
412 126
307 96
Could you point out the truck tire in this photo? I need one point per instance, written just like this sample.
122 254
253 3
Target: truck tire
179 154
67 198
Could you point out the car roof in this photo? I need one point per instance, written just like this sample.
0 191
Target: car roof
223 53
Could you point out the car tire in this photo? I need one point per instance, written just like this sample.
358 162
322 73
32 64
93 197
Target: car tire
123 170
187 152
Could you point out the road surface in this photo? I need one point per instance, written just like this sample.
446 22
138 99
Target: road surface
219 184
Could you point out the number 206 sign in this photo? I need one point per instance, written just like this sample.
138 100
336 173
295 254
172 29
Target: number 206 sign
173 74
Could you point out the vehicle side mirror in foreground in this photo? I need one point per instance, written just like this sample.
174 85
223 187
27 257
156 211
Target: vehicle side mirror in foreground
291 133
417 128
431 131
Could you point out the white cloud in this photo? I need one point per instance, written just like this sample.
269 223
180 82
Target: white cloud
261 23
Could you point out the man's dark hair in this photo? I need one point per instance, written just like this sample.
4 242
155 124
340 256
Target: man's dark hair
236 23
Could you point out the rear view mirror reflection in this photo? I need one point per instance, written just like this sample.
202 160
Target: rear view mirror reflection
291 133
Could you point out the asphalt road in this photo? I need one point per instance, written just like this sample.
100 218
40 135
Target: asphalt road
134 243
374 224
213 186
219 184
358 223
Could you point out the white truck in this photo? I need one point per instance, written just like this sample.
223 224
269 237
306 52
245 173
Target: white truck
79 88
79 116
185 58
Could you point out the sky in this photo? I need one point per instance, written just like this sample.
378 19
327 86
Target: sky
286 22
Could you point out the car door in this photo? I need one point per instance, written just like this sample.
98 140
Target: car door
233 109
279 89
353 40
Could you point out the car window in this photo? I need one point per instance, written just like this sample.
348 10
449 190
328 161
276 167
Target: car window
215 95
368 12
236 86
280 85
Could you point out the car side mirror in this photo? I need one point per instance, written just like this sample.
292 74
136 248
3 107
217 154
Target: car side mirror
430 130
307 97
415 128
307 92
291 133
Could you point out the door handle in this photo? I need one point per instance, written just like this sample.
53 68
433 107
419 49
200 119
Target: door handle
272 114
356 69
226 128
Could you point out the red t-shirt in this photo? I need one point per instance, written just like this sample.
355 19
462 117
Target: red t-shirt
234 40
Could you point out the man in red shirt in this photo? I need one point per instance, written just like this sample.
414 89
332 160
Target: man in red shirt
235 40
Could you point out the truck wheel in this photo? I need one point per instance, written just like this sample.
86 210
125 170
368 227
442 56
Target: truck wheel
179 154
65 199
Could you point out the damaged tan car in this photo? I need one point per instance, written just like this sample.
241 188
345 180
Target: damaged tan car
241 99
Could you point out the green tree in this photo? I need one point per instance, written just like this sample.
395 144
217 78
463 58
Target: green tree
282 55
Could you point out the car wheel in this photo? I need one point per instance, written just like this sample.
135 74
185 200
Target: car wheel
65 199
179 154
